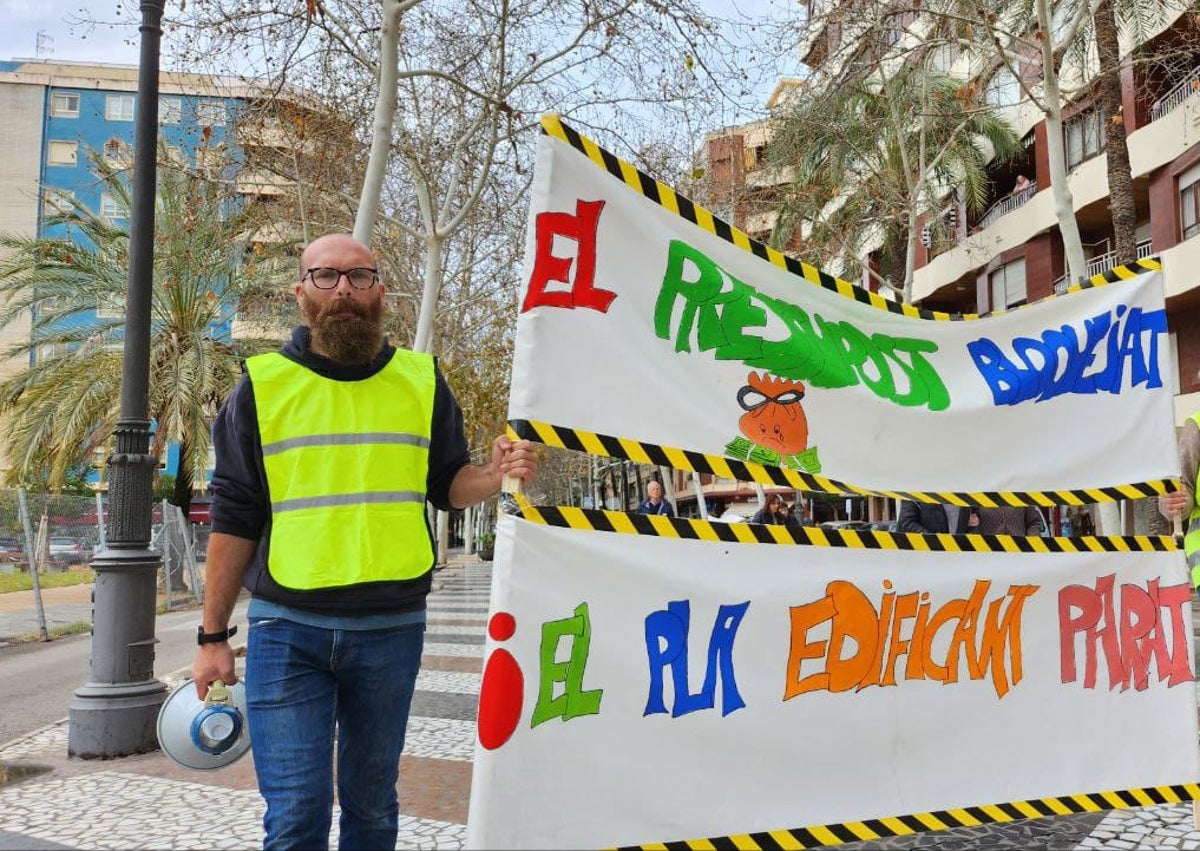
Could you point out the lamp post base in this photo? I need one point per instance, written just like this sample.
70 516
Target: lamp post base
108 721
115 712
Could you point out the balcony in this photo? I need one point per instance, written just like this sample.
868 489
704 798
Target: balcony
1184 90
1007 204
1102 263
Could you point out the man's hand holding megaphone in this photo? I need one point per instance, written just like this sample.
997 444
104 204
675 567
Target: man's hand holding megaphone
228 557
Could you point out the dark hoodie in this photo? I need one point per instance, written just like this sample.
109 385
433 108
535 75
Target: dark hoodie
240 503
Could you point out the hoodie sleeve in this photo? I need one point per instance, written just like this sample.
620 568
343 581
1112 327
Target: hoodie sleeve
238 487
448 452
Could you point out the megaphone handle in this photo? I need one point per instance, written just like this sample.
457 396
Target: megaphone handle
218 693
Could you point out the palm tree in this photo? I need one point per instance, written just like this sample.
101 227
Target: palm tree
873 154
65 405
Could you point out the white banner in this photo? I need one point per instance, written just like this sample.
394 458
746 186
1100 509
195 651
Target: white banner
644 689
638 324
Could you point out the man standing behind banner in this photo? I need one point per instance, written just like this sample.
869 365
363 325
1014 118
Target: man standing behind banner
654 502
326 454
932 518
1182 503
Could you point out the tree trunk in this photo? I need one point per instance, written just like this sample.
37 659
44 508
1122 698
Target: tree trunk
182 494
181 497
423 338
1064 202
385 111
1121 204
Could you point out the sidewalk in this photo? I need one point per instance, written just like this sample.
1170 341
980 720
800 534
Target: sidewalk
62 606
149 802
67 605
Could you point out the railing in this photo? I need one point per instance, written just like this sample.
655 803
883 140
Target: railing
1188 87
1008 204
1102 263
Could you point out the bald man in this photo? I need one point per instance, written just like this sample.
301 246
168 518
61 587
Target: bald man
326 454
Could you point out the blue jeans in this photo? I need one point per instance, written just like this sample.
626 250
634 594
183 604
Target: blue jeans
302 682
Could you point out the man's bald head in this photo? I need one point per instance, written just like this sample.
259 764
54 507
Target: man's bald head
335 244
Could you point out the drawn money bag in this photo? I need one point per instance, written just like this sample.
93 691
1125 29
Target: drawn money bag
774 418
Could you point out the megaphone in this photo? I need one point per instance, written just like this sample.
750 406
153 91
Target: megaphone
204 734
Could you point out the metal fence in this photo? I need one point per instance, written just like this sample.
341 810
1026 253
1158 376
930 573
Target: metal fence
59 532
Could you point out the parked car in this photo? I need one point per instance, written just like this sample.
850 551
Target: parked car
883 525
66 551
846 525
11 551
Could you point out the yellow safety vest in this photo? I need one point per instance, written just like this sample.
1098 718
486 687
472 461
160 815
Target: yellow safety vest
346 465
1191 538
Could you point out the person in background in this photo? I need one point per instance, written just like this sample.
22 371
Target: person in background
654 502
770 514
787 512
932 518
1009 520
1021 184
1182 503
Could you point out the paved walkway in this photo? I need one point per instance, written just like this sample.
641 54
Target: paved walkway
148 802
63 606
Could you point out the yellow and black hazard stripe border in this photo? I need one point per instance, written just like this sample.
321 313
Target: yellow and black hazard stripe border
837 834
682 528
666 197
748 471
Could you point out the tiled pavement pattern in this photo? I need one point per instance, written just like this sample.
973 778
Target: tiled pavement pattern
129 803
148 802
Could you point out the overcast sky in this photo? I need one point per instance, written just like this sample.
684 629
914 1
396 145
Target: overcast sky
24 19
67 34
70 39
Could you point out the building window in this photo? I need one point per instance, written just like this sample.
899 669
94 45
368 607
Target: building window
64 105
1084 137
1189 201
1003 89
210 159
58 201
210 113
170 110
118 107
62 153
109 209
1007 285
117 152
110 306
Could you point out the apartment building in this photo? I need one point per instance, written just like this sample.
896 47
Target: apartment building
52 114
1012 252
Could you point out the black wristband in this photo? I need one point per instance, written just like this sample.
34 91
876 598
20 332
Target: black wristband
203 637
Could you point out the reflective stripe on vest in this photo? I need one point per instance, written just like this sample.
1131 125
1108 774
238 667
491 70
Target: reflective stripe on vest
1191 539
346 464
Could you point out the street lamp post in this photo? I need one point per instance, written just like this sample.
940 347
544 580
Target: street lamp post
115 712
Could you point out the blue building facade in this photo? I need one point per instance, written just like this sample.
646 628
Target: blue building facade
87 109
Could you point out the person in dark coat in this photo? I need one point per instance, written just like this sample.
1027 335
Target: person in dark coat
654 502
930 518
790 518
770 514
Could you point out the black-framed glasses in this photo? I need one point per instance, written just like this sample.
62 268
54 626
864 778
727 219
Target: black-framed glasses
326 278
